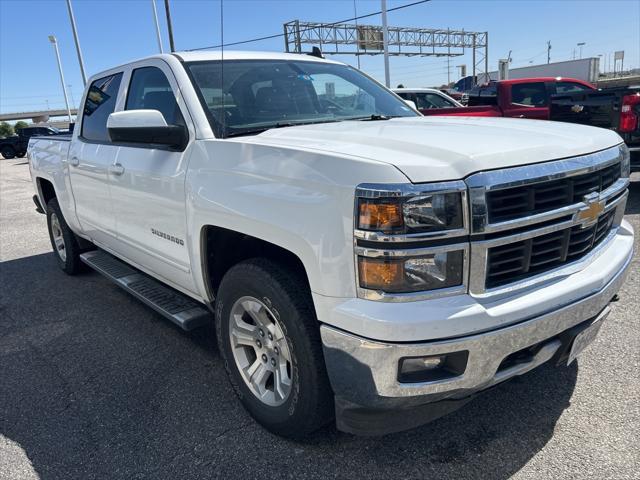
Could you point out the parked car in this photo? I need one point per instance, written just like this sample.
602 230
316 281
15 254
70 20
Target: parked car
16 145
613 108
427 98
358 260
521 98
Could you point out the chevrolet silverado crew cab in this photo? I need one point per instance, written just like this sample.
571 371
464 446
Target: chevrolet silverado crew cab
360 262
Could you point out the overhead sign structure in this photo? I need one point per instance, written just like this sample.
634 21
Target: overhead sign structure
350 39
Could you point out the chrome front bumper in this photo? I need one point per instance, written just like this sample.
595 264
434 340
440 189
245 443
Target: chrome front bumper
365 372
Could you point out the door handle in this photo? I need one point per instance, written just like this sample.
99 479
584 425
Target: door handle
116 169
74 161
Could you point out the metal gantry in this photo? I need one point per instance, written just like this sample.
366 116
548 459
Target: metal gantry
348 39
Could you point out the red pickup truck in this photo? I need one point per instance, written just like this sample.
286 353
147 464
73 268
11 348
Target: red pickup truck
521 98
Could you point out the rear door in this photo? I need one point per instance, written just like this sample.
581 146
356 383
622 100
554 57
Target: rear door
568 87
90 156
528 100
148 184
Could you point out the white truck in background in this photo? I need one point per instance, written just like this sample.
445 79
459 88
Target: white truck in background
586 69
360 262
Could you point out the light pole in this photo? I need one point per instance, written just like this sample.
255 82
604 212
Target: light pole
602 67
167 11
75 39
73 102
581 44
385 44
53 40
155 18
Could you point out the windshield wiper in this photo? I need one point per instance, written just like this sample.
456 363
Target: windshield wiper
373 117
256 131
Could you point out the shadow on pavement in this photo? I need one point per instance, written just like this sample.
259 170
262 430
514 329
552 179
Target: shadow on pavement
95 385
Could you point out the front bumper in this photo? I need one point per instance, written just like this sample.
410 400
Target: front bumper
364 373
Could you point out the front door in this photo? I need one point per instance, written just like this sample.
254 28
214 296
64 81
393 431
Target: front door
529 100
148 184
89 160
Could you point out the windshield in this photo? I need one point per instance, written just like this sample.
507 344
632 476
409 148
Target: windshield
257 95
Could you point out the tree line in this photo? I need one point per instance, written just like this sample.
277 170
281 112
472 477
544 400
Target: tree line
6 129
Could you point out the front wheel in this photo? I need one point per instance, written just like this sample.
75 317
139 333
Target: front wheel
269 339
63 240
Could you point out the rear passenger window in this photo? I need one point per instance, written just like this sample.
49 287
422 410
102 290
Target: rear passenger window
534 94
570 87
100 103
149 89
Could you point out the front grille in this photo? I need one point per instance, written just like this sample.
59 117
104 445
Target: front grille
522 201
519 260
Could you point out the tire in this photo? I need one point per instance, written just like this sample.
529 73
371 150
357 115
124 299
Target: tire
308 403
63 240
8 152
21 154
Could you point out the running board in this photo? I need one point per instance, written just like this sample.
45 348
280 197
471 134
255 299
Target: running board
177 307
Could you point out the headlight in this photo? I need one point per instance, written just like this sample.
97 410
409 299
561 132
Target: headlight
414 274
626 161
411 240
411 210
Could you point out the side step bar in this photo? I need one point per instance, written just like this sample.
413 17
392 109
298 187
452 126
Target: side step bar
177 307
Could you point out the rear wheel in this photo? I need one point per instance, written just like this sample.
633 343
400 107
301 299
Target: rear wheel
269 339
8 152
21 154
63 240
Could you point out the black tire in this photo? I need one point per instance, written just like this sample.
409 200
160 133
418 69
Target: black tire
21 154
70 261
309 405
8 152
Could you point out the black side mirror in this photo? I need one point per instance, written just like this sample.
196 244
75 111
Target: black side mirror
146 127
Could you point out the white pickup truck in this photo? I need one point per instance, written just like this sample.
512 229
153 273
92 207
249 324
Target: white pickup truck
360 262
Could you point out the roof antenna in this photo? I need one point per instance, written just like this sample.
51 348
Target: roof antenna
316 52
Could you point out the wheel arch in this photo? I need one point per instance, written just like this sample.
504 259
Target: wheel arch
46 191
238 247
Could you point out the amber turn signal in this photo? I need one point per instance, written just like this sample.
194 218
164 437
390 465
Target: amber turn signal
379 216
380 274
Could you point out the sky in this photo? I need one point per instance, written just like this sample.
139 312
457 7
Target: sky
112 32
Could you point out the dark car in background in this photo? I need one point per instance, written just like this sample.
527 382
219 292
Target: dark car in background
16 145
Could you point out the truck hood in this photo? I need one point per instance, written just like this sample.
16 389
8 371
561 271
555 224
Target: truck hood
428 149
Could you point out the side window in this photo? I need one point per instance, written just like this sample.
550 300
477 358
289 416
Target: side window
432 100
100 103
570 87
149 89
532 94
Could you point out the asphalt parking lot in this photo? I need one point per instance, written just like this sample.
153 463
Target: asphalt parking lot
95 385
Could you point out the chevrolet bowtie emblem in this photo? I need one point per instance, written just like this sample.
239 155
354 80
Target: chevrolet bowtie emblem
577 108
594 208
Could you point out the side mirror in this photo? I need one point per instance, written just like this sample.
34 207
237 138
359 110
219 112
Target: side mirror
145 127
411 103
